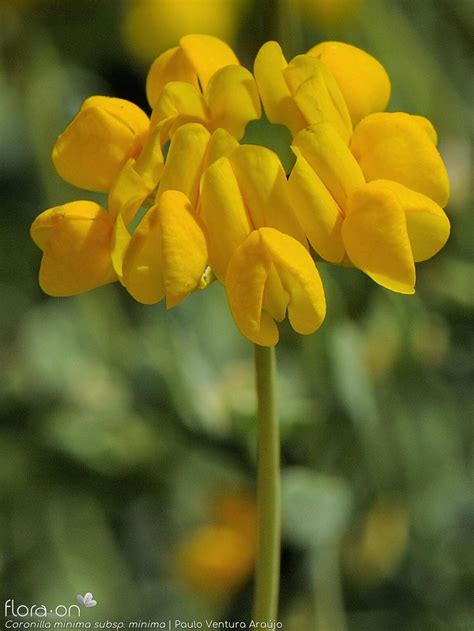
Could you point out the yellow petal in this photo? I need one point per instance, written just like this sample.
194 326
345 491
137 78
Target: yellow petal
317 94
172 65
179 99
328 155
167 253
427 224
150 162
362 80
98 141
220 144
76 243
299 278
399 147
427 125
120 242
127 193
275 297
375 235
245 281
124 111
207 55
142 261
184 249
232 99
137 180
275 93
264 189
223 213
317 212
185 161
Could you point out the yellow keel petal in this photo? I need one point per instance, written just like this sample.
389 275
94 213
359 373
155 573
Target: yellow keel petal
427 223
317 212
375 235
397 146
328 155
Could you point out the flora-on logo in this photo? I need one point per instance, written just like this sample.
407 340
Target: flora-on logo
11 609
87 600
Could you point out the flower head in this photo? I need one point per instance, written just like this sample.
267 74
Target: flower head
367 189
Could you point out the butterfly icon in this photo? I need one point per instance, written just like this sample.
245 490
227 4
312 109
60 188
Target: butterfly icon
87 600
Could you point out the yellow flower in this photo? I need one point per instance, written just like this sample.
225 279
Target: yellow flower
237 510
299 93
75 239
344 86
376 549
99 140
218 558
150 27
166 256
362 79
201 81
268 275
378 205
401 147
329 14
244 190
257 247
194 61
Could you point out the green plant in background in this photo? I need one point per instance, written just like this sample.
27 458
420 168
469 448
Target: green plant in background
367 190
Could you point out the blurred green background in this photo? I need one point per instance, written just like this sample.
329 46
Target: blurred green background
127 433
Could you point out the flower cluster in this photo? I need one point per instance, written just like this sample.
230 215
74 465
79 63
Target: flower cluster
367 188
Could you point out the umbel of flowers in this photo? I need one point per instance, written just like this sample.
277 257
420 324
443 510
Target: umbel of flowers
367 189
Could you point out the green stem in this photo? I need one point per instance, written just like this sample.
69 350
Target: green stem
268 488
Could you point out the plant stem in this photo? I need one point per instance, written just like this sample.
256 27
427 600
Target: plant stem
268 488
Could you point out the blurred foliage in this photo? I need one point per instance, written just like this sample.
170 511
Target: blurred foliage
120 423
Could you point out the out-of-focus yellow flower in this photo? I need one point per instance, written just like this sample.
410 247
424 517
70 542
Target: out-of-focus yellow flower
299 93
327 13
99 140
150 26
377 203
218 558
201 81
237 510
362 79
375 553
75 240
